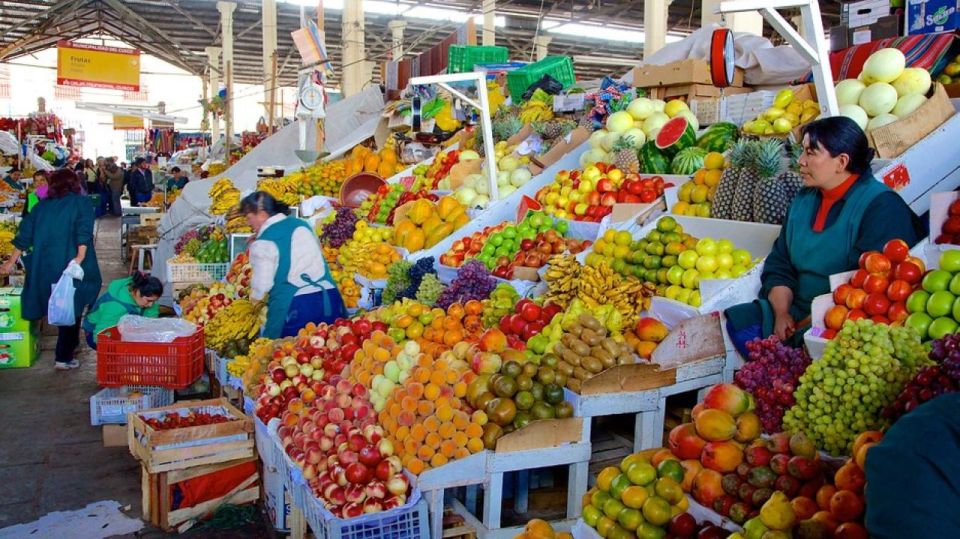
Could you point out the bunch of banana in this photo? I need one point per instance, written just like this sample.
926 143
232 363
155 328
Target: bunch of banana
237 223
283 189
535 111
239 320
238 366
595 282
630 298
225 196
562 275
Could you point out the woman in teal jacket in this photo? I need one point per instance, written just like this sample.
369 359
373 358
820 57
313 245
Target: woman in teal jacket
136 295
842 212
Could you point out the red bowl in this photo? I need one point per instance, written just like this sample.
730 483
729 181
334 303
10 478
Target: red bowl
358 187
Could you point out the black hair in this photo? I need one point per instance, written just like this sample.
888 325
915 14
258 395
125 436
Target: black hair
262 200
147 285
174 170
838 135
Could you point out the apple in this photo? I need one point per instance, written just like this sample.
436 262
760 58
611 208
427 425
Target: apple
877 263
896 250
940 303
950 261
937 280
398 485
875 283
919 321
942 326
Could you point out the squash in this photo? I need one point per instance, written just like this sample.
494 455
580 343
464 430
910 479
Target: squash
415 240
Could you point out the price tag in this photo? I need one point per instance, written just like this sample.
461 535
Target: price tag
568 103
897 178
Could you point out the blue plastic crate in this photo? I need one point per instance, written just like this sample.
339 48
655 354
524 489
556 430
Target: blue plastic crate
409 521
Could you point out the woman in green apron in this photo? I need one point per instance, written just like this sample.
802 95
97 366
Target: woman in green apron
842 212
288 269
136 295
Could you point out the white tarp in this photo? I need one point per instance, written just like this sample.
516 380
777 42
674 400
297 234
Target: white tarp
763 63
348 123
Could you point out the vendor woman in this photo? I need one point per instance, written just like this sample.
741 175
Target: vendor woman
288 269
135 295
842 212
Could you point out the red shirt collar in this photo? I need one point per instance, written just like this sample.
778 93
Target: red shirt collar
837 192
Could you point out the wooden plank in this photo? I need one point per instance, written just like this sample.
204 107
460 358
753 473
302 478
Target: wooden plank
176 476
236 450
542 434
237 495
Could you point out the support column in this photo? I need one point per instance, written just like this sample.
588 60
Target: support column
489 23
750 22
226 29
654 26
354 48
269 24
542 42
213 66
396 31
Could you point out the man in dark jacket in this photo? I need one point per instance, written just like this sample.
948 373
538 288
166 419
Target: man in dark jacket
141 182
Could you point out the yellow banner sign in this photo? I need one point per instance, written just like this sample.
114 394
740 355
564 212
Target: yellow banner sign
98 66
122 121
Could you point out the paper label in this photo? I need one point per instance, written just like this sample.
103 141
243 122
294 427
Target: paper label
898 178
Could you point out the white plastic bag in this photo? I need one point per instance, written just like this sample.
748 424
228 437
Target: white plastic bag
60 311
135 328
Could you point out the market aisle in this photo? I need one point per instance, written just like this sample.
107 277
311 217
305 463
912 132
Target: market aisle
51 458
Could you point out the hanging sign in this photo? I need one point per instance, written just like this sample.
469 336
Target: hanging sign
123 121
97 66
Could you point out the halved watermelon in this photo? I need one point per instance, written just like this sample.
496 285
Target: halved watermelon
675 135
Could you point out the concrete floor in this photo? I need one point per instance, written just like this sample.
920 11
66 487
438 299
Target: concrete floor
51 458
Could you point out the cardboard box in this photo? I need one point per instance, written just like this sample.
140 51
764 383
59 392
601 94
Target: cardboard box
953 91
11 314
735 108
844 36
864 12
893 139
689 92
690 71
928 16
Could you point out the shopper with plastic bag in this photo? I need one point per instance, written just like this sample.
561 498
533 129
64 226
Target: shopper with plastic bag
57 231
134 295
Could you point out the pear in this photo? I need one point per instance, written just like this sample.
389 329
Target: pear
777 513
801 445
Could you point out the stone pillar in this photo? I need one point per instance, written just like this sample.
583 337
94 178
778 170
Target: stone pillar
542 42
654 26
213 64
489 23
269 25
354 49
226 29
396 31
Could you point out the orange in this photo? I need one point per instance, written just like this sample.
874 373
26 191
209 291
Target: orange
438 460
403 321
539 529
473 307
452 337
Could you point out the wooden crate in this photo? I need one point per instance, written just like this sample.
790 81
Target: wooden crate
156 495
174 449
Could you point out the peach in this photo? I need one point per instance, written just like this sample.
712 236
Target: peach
486 363
715 425
729 398
684 441
780 442
707 487
651 329
493 340
697 408
691 468
723 457
803 507
748 427
826 520
870 436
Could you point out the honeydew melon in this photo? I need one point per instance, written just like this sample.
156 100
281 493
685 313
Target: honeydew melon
914 80
885 65
848 91
907 104
879 98
855 113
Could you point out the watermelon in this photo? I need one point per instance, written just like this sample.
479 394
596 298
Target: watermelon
688 161
718 137
675 135
652 160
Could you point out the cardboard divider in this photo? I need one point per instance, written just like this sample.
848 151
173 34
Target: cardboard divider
690 71
893 139
542 434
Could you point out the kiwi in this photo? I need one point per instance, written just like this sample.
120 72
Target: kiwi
589 322
592 364
626 359
610 346
579 373
600 353
571 357
590 337
608 362
574 384
575 328
568 339
560 378
625 348
559 348
565 368
581 348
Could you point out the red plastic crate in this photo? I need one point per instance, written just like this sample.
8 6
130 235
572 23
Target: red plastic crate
174 365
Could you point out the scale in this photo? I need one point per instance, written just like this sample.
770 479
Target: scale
310 106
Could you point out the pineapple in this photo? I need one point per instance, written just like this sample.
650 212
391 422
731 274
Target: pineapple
722 207
505 126
553 129
771 196
587 122
625 155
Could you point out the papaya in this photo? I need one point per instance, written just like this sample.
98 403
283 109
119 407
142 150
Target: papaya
421 211
371 162
402 232
446 207
435 235
415 241
461 220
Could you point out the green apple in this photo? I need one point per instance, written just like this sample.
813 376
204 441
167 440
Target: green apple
690 279
942 326
950 261
694 299
725 260
675 275
666 224
672 292
688 259
955 285
919 321
722 273
737 270
707 246
940 303
669 261
936 280
684 295
707 264
956 309
917 301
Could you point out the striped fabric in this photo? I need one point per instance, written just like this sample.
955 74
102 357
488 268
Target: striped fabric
927 51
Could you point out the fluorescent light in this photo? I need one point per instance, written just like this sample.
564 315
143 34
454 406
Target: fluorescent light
380 7
605 60
605 33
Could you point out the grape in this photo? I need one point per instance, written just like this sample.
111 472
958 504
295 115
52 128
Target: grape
771 374
340 230
430 289
398 280
500 303
861 372
473 281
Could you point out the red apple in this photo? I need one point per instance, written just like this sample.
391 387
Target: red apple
358 473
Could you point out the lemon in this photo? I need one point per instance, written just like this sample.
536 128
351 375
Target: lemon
623 238
713 161
610 235
672 108
680 208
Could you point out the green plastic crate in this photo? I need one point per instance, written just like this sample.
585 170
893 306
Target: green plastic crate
558 67
462 58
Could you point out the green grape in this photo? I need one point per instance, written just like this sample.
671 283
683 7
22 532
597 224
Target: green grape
398 279
430 289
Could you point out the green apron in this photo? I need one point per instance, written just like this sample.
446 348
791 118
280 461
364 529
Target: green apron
815 255
90 328
283 291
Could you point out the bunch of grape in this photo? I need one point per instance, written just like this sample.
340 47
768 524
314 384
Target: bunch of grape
771 375
929 383
187 237
862 370
473 281
398 279
946 351
417 272
338 232
500 303
429 290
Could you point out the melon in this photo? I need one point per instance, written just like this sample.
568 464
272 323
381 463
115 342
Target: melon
855 113
591 156
907 104
619 122
636 136
652 160
658 104
885 65
914 80
848 91
879 98
655 121
641 108
609 140
718 137
676 135
688 161
881 121
596 138
520 176
674 107
691 117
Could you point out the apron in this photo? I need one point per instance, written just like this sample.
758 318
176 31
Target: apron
90 328
814 255
283 291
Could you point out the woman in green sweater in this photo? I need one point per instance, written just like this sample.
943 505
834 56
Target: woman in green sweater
137 295
842 212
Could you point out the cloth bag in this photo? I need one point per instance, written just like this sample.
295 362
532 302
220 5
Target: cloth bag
60 308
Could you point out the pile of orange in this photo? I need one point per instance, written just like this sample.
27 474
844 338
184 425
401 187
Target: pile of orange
426 417
372 356
458 323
